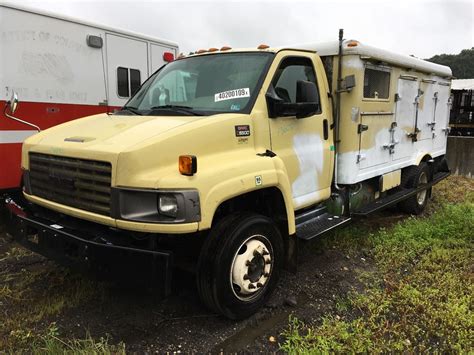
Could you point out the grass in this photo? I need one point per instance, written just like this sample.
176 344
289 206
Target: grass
418 298
52 343
29 297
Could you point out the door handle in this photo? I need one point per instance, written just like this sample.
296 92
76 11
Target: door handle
325 129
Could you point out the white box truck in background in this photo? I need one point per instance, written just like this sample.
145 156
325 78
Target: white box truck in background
62 69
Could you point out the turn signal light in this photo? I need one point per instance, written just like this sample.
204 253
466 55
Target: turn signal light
187 165
263 46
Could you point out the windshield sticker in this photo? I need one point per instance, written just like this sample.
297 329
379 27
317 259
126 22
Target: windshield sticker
232 94
235 107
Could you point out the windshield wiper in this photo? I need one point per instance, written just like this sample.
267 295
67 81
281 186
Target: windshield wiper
187 109
131 109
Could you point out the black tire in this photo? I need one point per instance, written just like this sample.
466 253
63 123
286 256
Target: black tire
231 241
413 177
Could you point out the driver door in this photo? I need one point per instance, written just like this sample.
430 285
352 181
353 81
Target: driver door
304 144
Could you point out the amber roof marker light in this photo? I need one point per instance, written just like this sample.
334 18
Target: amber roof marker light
226 48
263 46
352 43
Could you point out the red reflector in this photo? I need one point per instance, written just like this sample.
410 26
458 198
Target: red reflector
168 56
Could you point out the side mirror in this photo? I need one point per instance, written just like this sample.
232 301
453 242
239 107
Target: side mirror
12 106
307 101
13 103
306 92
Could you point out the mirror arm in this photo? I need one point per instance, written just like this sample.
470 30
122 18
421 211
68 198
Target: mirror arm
19 120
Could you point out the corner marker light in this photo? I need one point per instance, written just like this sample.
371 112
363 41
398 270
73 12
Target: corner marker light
187 165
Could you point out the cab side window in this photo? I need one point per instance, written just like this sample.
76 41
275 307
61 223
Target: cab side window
292 70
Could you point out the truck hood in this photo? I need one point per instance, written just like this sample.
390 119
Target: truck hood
106 133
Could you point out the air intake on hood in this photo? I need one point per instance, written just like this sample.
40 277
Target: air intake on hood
79 183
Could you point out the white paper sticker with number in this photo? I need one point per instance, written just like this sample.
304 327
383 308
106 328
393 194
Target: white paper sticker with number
232 94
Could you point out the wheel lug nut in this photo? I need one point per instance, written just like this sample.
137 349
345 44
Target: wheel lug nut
256 253
268 262
246 277
259 285
266 274
248 263
265 253
251 286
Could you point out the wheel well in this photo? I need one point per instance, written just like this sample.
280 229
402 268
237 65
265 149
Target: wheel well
268 202
426 158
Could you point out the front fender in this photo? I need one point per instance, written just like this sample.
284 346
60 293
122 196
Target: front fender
262 172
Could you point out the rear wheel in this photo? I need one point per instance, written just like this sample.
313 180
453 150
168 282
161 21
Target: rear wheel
240 265
414 177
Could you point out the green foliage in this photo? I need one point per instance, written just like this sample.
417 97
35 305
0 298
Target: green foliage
419 299
52 343
461 64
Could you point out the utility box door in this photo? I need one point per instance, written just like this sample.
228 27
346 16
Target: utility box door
373 141
405 111
426 109
442 115
127 67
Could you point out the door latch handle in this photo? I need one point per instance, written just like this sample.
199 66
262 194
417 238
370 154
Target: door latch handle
361 128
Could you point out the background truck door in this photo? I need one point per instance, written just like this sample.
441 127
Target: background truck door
127 67
303 144
157 56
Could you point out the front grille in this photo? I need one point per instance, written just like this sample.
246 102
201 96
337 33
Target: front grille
79 183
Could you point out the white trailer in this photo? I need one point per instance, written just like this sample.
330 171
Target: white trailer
63 68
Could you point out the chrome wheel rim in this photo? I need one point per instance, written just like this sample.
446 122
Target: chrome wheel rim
251 268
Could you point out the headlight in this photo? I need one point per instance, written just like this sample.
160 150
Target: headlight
155 206
168 205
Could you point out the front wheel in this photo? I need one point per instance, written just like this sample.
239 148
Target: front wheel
240 264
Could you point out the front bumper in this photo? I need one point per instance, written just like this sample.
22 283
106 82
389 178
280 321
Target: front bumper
88 246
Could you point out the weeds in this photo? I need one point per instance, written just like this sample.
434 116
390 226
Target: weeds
52 343
418 298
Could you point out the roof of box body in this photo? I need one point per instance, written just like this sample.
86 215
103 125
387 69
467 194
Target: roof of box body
406 61
462 84
86 23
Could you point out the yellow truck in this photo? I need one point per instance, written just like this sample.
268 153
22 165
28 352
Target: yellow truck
225 158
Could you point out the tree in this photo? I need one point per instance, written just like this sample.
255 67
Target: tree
461 64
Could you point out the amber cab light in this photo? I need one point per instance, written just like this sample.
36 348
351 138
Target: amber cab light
352 44
213 50
226 48
263 46
187 165
168 57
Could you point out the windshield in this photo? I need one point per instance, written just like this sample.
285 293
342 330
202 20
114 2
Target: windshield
203 85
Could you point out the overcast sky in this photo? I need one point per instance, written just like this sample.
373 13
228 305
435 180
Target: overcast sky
419 27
